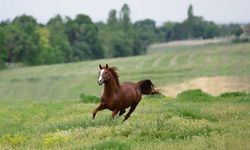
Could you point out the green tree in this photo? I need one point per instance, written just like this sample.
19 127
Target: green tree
212 30
58 40
190 12
168 29
197 27
29 48
82 34
12 43
47 54
27 23
112 19
121 45
125 17
3 53
180 32
145 34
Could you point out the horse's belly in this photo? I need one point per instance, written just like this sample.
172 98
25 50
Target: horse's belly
111 106
118 105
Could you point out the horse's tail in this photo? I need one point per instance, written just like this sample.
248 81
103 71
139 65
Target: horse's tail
147 87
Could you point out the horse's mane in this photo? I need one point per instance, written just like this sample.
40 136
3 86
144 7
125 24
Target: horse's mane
114 73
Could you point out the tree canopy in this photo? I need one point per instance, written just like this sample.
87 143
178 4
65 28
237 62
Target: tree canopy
65 39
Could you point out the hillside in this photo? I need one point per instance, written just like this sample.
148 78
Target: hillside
165 66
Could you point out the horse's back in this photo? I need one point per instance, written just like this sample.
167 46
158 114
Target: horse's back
130 86
131 91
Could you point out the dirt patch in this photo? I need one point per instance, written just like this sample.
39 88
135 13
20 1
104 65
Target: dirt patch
212 85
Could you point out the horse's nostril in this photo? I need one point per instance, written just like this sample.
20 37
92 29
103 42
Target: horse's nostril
99 82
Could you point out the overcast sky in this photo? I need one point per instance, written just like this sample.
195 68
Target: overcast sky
219 11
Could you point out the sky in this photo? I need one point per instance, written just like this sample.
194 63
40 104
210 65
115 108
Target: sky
219 11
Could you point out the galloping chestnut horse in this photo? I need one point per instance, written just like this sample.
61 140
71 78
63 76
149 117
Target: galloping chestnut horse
117 97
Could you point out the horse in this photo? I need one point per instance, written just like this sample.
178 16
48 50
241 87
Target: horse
117 97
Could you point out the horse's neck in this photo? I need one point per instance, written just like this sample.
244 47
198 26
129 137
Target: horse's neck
111 87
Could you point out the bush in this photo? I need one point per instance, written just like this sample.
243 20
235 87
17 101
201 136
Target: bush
235 97
89 98
194 95
233 94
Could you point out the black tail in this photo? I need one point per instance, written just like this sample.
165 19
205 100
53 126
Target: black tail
147 87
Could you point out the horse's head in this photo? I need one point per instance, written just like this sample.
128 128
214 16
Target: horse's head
103 74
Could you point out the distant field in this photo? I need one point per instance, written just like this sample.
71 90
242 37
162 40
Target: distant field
194 42
165 66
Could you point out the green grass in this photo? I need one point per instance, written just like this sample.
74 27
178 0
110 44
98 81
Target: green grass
163 66
158 122
50 107
194 95
89 98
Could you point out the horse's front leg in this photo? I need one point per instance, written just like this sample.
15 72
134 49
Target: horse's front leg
99 108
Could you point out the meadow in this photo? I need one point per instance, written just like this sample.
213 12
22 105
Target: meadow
163 66
194 120
50 107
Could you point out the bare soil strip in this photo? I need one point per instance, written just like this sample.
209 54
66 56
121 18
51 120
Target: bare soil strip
212 85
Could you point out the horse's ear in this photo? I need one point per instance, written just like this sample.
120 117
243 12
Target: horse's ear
100 66
107 66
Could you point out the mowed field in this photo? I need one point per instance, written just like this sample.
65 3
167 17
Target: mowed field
40 106
164 66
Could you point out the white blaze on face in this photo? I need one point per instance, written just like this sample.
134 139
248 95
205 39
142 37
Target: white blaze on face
100 78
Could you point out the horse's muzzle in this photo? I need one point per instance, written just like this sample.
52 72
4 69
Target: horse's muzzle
99 82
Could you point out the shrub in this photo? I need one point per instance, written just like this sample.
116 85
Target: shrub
235 97
89 98
194 95
233 94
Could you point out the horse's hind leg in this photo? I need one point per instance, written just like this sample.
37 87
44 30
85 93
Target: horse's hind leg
132 108
122 112
115 112
99 108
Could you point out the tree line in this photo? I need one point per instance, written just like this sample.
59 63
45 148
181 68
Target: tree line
63 39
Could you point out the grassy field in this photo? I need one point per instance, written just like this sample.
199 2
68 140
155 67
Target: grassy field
164 66
194 120
41 108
